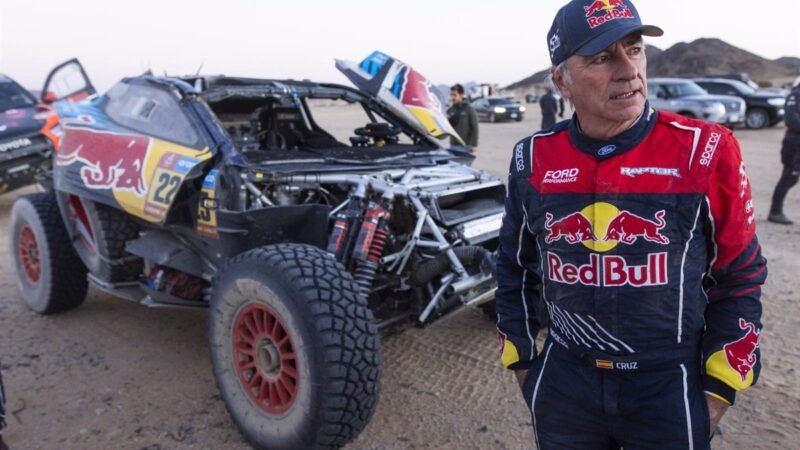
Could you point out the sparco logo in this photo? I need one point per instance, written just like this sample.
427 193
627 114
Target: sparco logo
665 171
561 176
609 271
610 10
710 148
519 157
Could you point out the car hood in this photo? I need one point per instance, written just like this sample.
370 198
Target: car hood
402 90
22 121
767 94
712 97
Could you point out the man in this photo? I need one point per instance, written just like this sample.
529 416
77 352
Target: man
636 228
463 118
790 157
549 106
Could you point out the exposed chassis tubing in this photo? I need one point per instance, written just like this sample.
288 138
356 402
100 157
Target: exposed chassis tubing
383 183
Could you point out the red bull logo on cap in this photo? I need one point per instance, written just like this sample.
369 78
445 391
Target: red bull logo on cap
600 227
608 10
741 354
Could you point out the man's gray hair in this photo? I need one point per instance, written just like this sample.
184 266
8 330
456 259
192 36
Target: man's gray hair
561 69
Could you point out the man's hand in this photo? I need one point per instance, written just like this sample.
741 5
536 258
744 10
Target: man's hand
716 409
521 376
473 150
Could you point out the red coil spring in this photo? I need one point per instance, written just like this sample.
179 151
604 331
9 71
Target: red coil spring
378 244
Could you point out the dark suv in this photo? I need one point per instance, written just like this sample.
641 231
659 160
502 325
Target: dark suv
495 109
763 108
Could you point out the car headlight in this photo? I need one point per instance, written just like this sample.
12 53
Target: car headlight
776 101
521 109
499 109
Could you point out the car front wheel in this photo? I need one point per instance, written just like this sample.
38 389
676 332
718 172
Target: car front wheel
294 348
756 118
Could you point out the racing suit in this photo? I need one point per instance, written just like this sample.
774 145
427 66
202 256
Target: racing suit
644 251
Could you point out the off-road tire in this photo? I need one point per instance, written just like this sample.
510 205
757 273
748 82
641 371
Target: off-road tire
61 283
332 337
112 229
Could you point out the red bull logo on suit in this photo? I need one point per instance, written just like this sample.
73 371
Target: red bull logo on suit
601 227
741 354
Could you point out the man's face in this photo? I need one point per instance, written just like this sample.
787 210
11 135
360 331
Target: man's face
455 97
608 88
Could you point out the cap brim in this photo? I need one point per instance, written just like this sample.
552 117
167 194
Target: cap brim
607 39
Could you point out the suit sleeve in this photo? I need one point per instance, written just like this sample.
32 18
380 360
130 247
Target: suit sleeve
517 277
732 359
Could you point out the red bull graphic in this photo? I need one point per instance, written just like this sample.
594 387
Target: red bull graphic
120 171
574 228
627 227
741 353
609 271
416 91
609 10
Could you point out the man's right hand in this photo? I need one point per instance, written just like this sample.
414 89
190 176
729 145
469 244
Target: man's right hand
521 376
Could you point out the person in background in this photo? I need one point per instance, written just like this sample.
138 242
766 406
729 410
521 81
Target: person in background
3 445
463 118
549 106
790 157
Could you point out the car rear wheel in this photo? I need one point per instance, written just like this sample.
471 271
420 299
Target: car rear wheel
101 235
294 348
756 118
50 276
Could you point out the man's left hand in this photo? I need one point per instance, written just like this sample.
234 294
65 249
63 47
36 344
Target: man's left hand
473 150
716 409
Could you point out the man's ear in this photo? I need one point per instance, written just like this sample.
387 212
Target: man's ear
558 80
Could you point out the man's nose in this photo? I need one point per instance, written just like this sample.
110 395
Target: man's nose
626 68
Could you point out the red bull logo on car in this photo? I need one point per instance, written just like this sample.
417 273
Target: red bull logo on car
601 227
120 171
608 10
741 354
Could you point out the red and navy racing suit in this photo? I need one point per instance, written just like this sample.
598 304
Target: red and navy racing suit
643 249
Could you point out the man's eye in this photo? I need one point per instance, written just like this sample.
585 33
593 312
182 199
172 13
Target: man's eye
601 59
636 50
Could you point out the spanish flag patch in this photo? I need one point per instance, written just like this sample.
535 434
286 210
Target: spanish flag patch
601 364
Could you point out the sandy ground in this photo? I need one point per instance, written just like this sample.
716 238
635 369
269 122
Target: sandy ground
113 374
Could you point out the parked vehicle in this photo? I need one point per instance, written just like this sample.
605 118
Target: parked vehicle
763 108
496 109
227 193
29 132
687 98
531 98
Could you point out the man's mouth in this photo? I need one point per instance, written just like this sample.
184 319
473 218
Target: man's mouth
624 95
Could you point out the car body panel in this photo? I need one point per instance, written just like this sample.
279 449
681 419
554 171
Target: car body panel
404 90
686 97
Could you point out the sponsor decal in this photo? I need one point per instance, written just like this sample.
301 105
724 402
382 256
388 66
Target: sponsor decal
554 42
561 176
601 226
664 171
609 271
15 144
709 149
607 150
519 157
741 353
104 169
603 11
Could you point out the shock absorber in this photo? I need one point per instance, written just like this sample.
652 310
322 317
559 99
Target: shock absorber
370 245
344 233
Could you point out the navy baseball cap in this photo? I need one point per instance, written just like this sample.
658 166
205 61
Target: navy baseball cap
587 27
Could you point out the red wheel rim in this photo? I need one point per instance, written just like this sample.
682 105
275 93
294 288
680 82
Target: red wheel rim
265 358
29 254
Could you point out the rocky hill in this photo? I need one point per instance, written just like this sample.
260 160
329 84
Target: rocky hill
705 56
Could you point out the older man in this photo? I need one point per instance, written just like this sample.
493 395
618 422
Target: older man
636 228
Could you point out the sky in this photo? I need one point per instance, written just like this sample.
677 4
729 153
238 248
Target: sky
494 41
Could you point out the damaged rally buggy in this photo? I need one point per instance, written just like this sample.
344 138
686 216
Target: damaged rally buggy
303 234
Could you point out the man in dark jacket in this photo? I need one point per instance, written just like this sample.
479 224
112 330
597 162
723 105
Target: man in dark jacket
790 157
549 106
463 118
